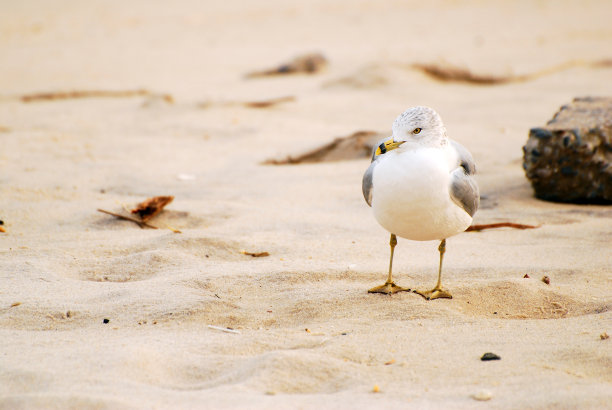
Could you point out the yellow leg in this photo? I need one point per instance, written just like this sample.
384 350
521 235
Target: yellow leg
437 292
389 287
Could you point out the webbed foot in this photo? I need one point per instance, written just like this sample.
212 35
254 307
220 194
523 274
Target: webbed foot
435 293
388 288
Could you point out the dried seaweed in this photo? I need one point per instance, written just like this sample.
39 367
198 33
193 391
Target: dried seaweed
249 104
456 74
304 64
355 146
482 227
449 73
268 103
67 95
255 254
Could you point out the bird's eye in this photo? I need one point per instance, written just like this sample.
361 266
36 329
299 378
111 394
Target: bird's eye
416 130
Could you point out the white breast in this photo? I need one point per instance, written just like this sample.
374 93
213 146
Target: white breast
411 196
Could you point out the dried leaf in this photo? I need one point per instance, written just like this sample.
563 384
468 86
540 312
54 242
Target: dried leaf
151 207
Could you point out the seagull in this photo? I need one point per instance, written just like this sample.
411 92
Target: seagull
421 187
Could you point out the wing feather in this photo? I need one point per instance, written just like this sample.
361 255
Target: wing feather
463 188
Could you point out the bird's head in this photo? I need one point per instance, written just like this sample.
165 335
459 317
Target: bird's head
420 125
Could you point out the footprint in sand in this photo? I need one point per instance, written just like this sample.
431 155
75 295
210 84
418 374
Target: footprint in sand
512 300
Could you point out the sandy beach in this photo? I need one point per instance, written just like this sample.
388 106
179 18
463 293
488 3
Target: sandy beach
105 103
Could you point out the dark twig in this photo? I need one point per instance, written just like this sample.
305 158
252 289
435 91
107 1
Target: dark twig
500 225
127 218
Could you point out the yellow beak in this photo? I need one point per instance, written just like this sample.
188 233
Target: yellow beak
388 145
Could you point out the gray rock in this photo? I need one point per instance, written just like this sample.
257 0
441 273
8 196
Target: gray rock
570 158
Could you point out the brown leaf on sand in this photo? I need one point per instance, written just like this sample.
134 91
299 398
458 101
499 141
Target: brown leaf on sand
255 254
151 207
304 64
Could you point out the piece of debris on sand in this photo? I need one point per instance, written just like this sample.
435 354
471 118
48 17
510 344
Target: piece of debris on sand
76 94
255 254
151 207
304 64
355 146
145 210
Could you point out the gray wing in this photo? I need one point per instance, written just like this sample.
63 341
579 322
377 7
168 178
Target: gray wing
367 182
463 188
465 158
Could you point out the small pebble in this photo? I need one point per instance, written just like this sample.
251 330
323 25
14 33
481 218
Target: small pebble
489 356
105 321
483 395
546 280
604 336
526 276
376 389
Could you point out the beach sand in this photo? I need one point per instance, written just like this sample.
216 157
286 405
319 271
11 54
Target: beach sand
306 334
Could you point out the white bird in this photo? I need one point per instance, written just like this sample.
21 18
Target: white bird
421 186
